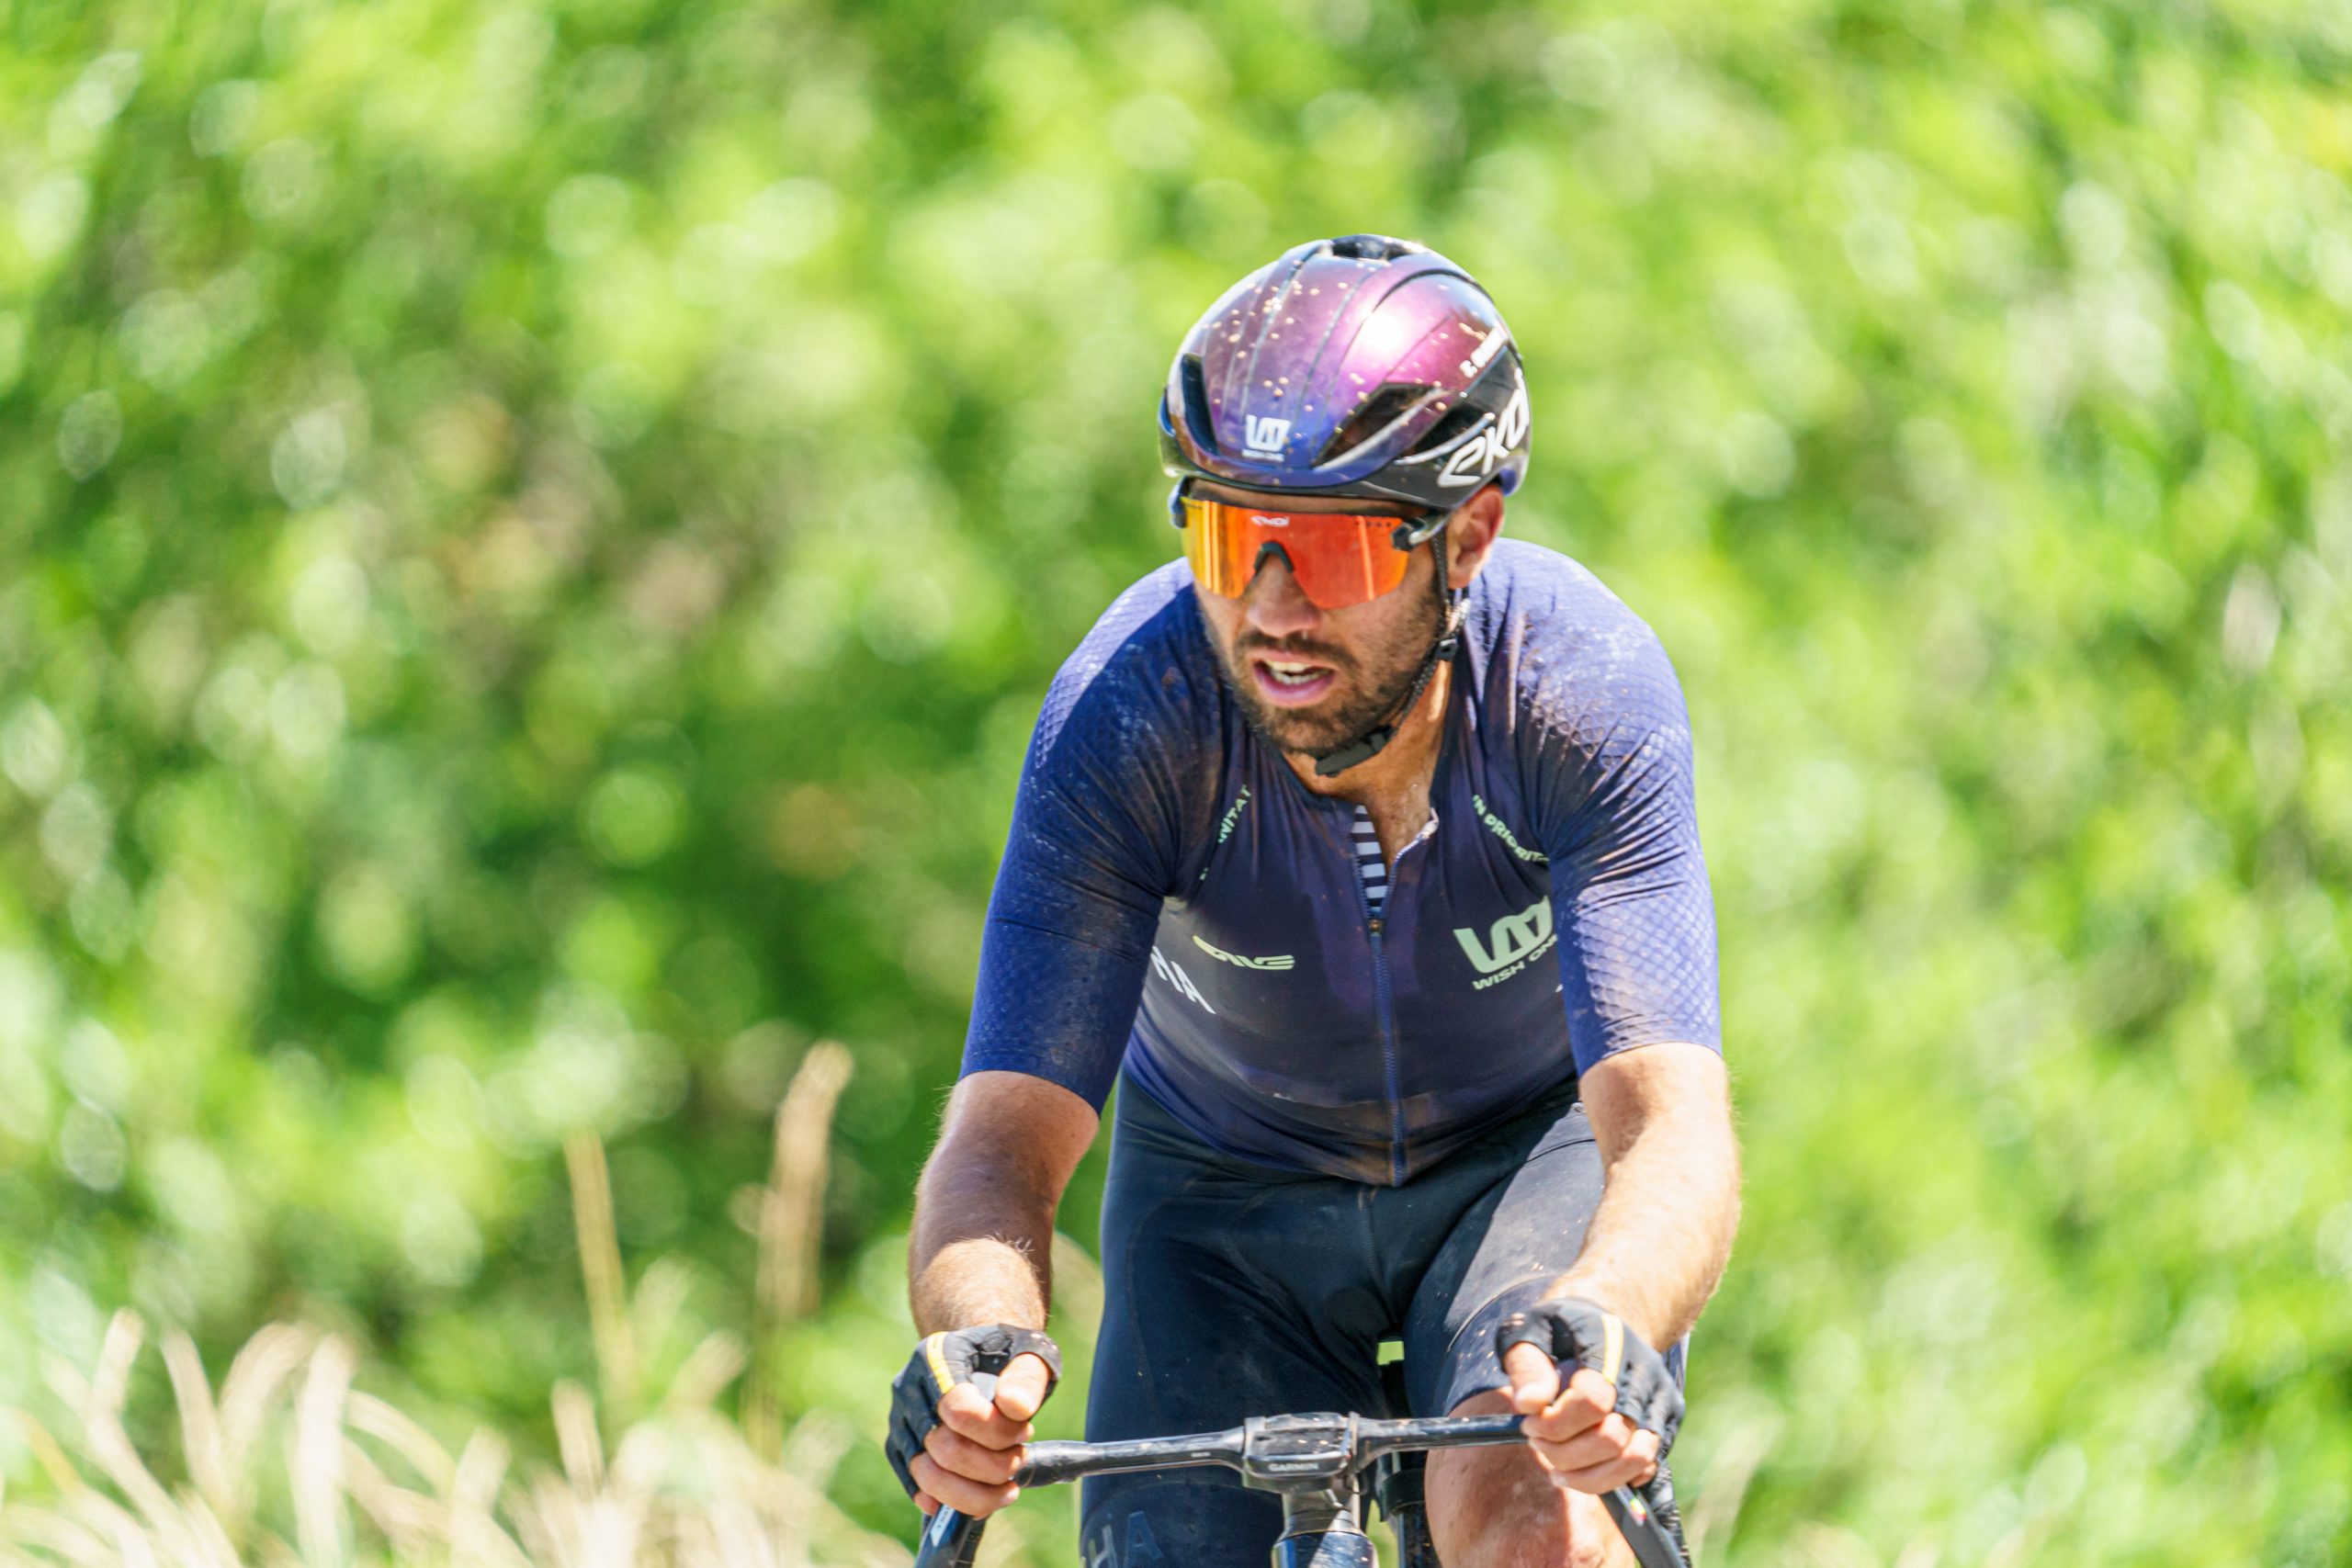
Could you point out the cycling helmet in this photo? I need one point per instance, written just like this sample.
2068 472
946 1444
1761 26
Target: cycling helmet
1358 365
1362 366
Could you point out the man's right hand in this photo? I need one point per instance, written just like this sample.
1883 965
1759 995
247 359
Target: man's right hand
960 1411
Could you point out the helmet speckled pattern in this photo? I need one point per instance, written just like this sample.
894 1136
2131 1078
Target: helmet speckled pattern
1358 365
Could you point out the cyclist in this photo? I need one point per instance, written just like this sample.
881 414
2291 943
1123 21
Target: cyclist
1358 849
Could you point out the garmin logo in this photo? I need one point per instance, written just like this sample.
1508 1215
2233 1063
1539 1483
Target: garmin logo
1265 436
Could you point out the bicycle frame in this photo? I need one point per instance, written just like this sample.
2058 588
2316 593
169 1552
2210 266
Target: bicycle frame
1318 1465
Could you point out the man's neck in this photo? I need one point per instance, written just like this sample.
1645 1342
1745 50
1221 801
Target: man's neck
1401 768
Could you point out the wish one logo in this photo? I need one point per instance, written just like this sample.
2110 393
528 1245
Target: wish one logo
1265 434
1511 942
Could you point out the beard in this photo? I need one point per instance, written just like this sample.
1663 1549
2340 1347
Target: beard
1366 688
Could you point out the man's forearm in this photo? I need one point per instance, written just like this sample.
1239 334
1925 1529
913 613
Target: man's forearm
979 1258
1659 1243
982 1248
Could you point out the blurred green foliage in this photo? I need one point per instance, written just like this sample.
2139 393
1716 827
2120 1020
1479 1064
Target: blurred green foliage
531 536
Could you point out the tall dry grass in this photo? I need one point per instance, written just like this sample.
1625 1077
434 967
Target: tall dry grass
286 1464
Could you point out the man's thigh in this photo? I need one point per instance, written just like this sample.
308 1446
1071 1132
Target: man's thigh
1499 1506
1228 1291
1536 1187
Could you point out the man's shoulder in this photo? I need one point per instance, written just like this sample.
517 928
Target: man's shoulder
1550 621
1145 657
1570 677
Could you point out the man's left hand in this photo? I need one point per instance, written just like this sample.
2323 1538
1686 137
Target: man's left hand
1618 1411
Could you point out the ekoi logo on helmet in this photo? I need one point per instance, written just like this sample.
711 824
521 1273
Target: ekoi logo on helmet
1484 453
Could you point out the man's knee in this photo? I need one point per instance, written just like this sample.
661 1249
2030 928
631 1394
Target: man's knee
1497 1508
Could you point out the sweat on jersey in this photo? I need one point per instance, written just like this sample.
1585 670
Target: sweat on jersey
1172 896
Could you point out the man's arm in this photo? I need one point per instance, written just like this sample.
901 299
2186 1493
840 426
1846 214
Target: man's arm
981 1254
1670 1203
1652 1256
984 1210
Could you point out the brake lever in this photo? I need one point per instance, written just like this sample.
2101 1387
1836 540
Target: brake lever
1643 1515
950 1541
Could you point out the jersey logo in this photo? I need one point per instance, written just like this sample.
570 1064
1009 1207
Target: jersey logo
1225 827
1279 961
1265 436
1174 974
1495 826
1510 941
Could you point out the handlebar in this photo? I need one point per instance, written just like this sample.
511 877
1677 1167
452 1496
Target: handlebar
1269 1450
1295 1454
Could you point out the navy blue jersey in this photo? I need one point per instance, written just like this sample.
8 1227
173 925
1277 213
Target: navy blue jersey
1172 896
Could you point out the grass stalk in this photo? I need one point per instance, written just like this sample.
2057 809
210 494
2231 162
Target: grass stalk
600 1267
792 1220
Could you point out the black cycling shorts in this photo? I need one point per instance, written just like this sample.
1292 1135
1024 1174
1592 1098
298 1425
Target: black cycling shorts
1233 1290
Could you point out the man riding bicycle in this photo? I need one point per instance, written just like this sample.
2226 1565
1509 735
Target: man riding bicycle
1360 847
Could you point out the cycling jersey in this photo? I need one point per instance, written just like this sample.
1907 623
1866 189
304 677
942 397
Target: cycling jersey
1172 896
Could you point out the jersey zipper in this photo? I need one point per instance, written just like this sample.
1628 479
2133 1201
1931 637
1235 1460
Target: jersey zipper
1387 1016
1385 1011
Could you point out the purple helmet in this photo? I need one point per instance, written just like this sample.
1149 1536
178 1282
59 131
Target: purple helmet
1360 365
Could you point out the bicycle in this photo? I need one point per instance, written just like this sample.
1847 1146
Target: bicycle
1318 1464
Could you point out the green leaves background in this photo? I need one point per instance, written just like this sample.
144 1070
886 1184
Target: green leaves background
531 538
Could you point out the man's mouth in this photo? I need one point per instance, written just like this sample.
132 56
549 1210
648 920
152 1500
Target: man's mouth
1291 683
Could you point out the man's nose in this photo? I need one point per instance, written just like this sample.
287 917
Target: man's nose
1274 603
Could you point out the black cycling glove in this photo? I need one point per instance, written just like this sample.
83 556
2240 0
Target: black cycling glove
939 1363
1577 1333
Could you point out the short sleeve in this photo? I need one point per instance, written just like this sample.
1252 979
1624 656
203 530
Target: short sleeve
1630 897
1091 856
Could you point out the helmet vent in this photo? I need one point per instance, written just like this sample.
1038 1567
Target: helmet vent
1196 404
1459 420
1389 404
1373 247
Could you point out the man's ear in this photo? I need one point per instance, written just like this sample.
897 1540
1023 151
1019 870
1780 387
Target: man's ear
1470 537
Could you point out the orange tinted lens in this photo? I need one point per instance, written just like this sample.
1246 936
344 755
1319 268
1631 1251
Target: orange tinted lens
1216 550
1339 557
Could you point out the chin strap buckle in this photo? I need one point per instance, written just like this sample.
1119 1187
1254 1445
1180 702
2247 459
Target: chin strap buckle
1368 745
1365 749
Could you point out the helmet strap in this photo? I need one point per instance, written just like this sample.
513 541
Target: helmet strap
1371 743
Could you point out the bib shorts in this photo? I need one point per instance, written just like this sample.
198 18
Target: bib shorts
1233 1289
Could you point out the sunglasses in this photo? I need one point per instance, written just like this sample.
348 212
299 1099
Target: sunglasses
1337 558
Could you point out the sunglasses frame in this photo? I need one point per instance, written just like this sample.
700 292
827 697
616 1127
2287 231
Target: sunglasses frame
1411 531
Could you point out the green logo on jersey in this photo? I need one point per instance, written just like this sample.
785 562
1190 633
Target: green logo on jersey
1279 961
1495 826
1510 941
